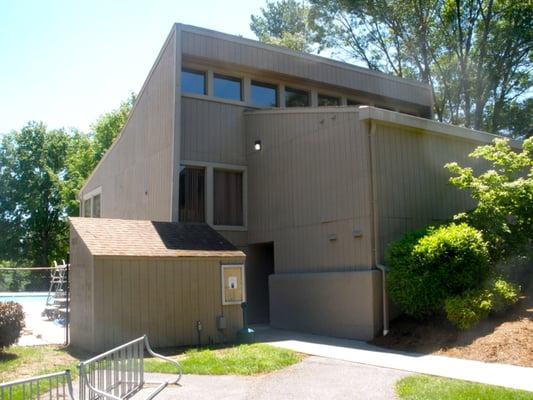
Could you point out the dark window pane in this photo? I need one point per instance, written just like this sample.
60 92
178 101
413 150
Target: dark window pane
324 100
227 198
96 206
296 98
227 87
264 95
192 81
353 102
87 208
192 194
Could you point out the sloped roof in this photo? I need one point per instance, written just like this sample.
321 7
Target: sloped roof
138 238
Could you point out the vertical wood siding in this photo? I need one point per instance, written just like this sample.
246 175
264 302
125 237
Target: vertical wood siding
81 293
212 131
162 298
135 175
224 49
310 180
411 181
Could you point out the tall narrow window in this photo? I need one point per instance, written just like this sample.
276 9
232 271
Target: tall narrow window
192 194
87 208
324 100
264 94
96 206
227 87
228 198
296 98
192 81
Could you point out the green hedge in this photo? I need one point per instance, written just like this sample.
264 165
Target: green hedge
430 266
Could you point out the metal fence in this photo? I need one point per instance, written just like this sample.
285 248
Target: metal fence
119 372
50 386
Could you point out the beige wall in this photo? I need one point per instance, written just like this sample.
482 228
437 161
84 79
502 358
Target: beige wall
310 180
81 293
412 188
136 173
160 297
341 304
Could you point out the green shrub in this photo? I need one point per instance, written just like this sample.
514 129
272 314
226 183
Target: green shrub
465 311
429 266
11 323
504 294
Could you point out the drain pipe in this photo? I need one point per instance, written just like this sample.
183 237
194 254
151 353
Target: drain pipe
375 228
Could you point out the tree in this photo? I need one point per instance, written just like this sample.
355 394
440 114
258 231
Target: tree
475 54
504 196
109 125
284 23
32 216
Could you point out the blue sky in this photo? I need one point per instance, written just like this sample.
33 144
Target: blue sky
67 62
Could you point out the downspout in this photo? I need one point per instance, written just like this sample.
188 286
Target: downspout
375 228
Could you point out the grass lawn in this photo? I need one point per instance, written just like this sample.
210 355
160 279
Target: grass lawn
20 362
239 360
422 387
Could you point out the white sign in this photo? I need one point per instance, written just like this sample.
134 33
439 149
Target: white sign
232 282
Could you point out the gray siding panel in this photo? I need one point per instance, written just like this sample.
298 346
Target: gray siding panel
135 174
309 181
212 131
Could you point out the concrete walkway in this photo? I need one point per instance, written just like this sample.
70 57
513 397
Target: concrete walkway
313 378
360 352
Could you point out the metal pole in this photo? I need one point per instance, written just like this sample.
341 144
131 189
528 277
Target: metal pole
67 305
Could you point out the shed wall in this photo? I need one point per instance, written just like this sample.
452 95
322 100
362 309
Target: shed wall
136 173
310 180
81 293
163 298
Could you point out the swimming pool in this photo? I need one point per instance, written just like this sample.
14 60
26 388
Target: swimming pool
24 297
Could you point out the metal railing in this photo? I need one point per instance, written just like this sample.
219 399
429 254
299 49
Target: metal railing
119 373
50 386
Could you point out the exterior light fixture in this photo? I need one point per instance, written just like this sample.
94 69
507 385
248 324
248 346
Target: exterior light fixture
257 145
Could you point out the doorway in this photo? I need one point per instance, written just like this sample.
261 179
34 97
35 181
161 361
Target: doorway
259 266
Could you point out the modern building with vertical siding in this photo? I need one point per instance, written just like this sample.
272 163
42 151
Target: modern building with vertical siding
309 165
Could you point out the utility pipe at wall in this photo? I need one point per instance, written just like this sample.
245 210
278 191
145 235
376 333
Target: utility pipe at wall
375 229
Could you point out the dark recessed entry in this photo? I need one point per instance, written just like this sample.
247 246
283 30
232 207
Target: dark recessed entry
259 266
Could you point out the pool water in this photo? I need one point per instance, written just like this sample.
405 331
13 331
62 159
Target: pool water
25 298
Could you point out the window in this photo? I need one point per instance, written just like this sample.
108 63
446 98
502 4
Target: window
87 208
351 102
192 194
192 81
228 198
296 98
96 206
264 94
227 87
324 100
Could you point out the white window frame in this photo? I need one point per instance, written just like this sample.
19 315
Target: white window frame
210 188
243 280
89 196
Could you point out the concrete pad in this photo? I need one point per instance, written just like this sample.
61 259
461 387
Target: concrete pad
509 376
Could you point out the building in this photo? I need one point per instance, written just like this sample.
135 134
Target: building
310 166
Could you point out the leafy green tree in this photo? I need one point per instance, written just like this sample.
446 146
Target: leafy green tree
108 127
32 216
476 55
504 196
284 23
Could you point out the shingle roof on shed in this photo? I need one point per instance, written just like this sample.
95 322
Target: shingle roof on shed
138 238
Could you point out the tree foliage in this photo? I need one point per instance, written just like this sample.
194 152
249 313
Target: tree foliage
41 171
503 195
475 54
284 23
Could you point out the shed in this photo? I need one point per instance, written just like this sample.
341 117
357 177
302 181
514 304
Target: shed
163 279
